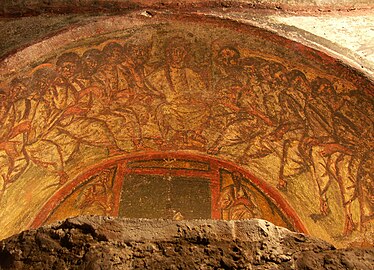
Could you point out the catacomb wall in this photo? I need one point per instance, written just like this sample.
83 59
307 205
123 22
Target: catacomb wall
180 114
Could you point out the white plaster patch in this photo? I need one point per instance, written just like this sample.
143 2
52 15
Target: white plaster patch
355 33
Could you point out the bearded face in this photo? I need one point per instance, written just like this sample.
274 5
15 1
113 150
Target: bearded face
68 69
140 54
228 57
299 84
177 56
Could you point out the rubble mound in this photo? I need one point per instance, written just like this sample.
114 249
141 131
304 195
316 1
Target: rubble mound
93 242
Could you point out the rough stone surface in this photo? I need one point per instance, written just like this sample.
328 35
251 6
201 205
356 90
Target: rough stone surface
32 7
344 33
108 243
17 33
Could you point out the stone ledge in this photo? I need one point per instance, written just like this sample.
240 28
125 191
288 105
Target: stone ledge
89 242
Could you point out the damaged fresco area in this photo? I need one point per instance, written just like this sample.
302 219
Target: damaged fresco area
178 187
285 114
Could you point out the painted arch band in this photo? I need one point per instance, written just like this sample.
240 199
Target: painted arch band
106 188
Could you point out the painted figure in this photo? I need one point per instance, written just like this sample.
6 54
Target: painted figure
361 123
272 83
74 121
110 77
353 129
246 124
292 126
276 117
13 161
44 116
320 137
237 200
114 98
15 108
182 111
97 197
229 65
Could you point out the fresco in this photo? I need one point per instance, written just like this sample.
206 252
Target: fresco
293 117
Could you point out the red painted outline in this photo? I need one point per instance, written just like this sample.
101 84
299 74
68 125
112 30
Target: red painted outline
215 189
117 186
158 171
268 190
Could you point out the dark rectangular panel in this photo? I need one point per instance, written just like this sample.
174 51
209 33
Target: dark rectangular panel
144 196
155 196
191 197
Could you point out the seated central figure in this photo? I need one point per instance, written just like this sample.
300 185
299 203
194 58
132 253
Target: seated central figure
182 111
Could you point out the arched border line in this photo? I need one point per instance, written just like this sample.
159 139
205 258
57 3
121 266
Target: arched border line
69 188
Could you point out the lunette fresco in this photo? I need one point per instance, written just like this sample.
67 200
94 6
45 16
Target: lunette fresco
274 111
